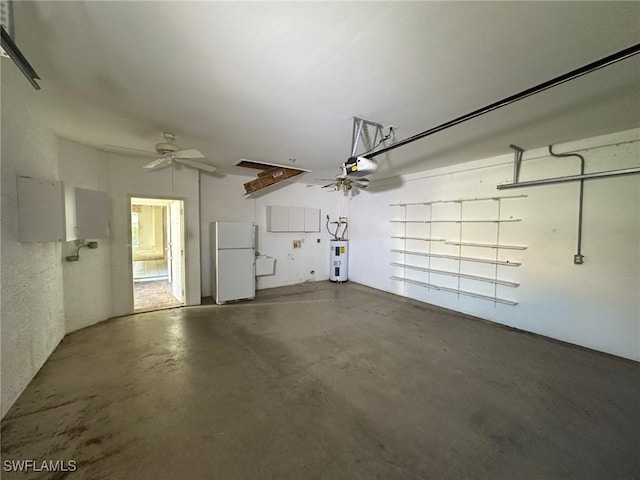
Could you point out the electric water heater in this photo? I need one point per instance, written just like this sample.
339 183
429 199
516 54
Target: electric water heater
339 261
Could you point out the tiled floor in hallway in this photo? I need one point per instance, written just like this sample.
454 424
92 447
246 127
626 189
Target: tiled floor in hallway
144 269
152 295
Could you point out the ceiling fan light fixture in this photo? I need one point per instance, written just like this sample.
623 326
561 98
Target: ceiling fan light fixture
167 148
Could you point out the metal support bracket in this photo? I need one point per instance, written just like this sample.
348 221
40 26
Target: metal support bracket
12 50
517 162
570 178
360 129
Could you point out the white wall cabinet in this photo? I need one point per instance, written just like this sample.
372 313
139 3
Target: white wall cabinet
86 213
277 219
49 211
311 219
296 219
293 219
40 210
92 214
70 213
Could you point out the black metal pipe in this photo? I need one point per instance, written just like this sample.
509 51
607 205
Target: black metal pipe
18 58
591 67
578 258
571 178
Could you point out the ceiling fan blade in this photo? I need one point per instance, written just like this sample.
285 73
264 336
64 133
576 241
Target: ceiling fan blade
188 153
330 185
131 151
156 163
199 165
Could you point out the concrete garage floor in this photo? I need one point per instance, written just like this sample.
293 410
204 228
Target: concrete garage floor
324 381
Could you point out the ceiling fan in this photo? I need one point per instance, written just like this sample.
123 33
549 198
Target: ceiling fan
343 183
172 154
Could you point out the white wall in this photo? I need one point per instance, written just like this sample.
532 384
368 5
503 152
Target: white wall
594 305
32 315
128 178
296 265
87 282
222 199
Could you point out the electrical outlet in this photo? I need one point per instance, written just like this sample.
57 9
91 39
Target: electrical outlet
297 244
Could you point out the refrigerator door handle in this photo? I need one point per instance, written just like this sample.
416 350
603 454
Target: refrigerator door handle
253 236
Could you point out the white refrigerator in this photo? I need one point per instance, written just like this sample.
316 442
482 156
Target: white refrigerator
233 275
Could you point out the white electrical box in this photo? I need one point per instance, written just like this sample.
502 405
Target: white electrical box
49 211
92 213
86 213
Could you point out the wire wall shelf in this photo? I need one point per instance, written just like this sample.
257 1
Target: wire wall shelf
459 200
420 238
456 274
458 257
455 290
486 245
449 243
459 221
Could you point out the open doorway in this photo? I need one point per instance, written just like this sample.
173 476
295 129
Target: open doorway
157 253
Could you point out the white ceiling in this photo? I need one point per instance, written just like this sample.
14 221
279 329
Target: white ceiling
272 81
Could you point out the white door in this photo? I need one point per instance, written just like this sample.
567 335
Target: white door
175 249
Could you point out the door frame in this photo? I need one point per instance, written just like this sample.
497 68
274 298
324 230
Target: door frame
185 279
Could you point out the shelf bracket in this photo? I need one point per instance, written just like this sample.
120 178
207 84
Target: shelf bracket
517 161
